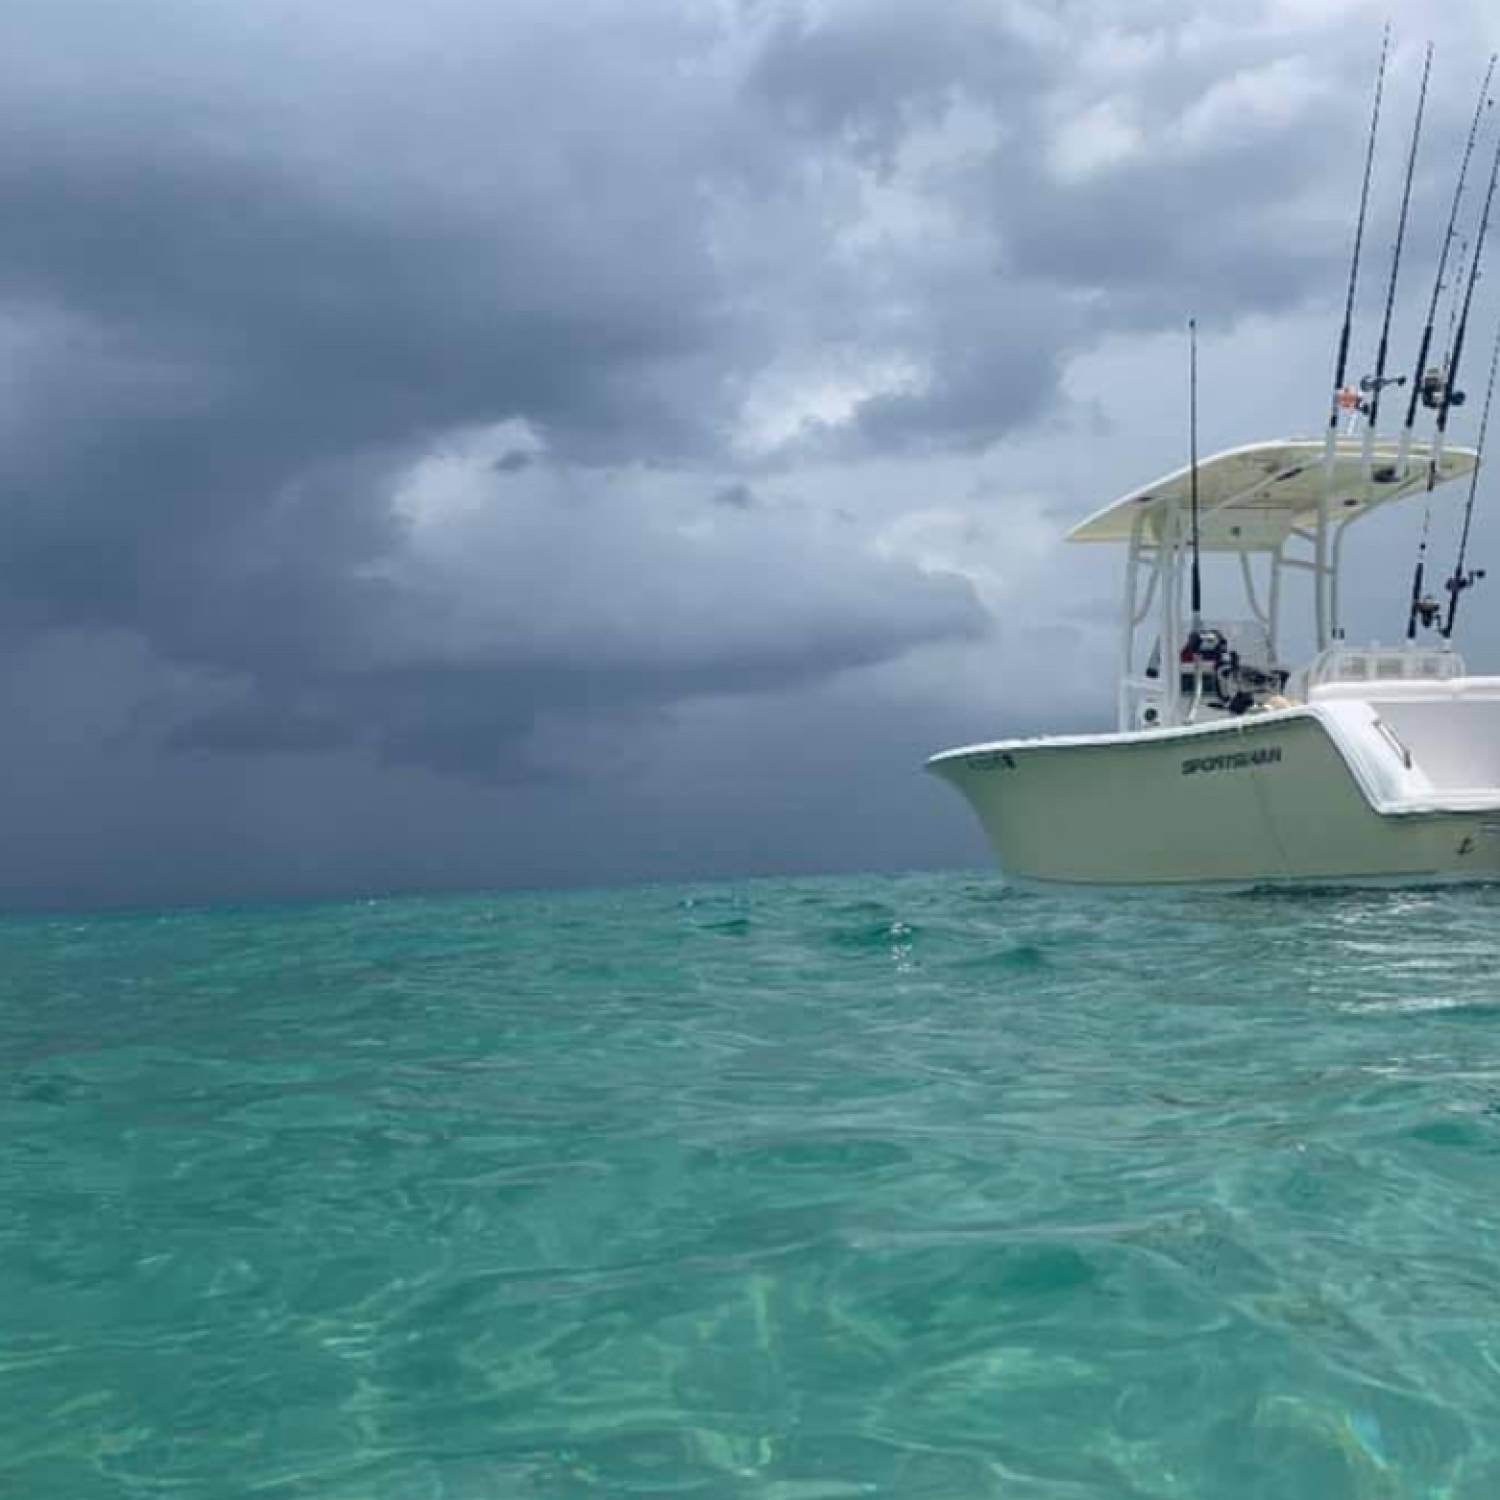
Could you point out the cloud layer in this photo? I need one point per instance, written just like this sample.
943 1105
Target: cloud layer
412 404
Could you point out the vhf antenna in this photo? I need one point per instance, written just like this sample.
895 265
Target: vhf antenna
1193 471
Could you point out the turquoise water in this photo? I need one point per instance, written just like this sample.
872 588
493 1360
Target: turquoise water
801 1189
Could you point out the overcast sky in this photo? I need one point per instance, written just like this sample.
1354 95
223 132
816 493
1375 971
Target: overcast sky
494 442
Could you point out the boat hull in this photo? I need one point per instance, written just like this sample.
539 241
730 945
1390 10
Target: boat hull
1269 797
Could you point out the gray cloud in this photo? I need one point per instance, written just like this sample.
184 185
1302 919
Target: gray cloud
737 496
513 461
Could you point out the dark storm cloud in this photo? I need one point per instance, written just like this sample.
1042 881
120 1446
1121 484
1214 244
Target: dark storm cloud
269 276
737 496
513 461
859 75
319 333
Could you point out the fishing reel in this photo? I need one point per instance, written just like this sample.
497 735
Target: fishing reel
1461 581
1436 393
1369 383
1212 666
1201 658
1206 647
1427 611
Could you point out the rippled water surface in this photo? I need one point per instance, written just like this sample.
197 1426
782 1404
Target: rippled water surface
798 1189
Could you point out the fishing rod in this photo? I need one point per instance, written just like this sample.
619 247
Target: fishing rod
1374 384
1193 471
1434 388
1460 580
1452 396
1421 390
1463 261
1341 359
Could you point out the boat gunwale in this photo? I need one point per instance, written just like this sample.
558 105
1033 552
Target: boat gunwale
1112 738
1455 802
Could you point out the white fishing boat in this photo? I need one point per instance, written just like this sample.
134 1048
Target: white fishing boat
1226 764
1363 763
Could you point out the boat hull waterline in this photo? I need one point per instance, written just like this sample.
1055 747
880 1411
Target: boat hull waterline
1313 794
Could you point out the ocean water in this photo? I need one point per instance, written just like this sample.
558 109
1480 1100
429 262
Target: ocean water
800 1190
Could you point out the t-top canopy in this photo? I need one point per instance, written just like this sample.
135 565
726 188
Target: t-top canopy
1250 499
